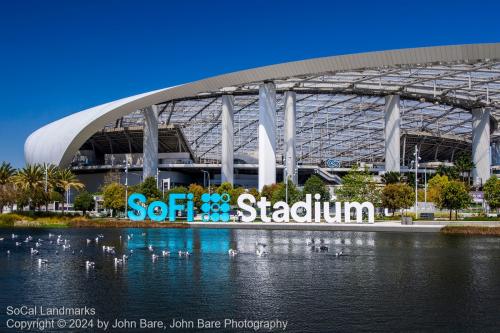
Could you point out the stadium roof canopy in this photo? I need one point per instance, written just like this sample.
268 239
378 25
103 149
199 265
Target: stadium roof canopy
340 105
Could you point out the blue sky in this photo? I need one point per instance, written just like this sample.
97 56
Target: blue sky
59 57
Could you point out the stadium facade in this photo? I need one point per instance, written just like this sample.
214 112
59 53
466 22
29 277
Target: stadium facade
257 126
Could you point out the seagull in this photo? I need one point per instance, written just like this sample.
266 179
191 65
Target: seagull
338 254
88 241
150 248
33 251
8 252
124 257
14 236
66 246
1 239
232 252
42 261
129 237
37 244
165 253
118 261
260 252
154 257
50 235
18 243
89 264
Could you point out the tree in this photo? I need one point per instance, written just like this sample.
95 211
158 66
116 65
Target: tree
253 191
435 187
225 187
268 190
29 181
492 192
84 201
359 185
450 172
67 180
454 197
397 196
7 189
391 177
150 189
279 194
235 193
464 165
6 173
197 191
314 185
114 196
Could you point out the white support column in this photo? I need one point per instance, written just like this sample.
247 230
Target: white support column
481 145
227 160
290 136
267 134
150 142
392 133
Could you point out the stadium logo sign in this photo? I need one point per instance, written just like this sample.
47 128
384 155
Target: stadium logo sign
216 208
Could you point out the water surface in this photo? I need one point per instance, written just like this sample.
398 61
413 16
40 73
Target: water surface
384 282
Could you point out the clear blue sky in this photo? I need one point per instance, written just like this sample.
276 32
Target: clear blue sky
59 57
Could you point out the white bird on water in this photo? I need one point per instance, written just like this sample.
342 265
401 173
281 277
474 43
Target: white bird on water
261 252
18 243
42 261
232 252
14 236
89 264
8 252
154 256
1 239
165 253
150 248
33 251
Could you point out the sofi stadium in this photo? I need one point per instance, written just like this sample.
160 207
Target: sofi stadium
256 126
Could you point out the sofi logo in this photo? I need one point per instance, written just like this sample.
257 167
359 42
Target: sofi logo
158 210
215 207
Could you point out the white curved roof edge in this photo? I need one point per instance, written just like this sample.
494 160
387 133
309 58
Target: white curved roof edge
57 142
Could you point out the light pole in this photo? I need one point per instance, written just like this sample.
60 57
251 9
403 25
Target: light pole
417 158
208 176
126 188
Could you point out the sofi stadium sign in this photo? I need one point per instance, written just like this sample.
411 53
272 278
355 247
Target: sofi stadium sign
216 208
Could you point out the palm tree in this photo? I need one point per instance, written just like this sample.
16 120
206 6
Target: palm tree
30 180
66 180
6 173
7 192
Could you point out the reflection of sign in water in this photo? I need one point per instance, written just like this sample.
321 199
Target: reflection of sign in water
477 196
331 163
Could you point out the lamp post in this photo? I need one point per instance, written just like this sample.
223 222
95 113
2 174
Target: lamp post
417 158
208 176
126 188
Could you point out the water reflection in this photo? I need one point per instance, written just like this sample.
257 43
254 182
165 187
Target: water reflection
432 281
